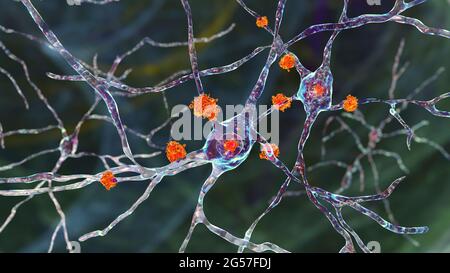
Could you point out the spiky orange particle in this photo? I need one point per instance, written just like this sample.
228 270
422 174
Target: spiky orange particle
205 106
267 146
262 21
230 145
281 102
175 151
319 90
287 62
350 103
108 180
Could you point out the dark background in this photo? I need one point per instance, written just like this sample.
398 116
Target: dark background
361 65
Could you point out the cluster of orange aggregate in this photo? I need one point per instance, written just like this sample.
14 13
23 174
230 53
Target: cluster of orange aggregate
108 180
205 106
262 21
350 103
175 151
287 62
281 102
267 146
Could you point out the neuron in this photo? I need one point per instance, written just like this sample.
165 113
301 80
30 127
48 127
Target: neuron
375 135
230 141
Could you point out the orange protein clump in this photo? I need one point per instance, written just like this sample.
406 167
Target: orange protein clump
319 90
287 62
350 103
230 145
262 21
281 102
108 180
205 106
267 146
175 151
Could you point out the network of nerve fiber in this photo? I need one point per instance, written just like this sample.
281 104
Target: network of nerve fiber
230 141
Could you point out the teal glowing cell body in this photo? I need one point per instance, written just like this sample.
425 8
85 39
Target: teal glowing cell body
240 128
320 80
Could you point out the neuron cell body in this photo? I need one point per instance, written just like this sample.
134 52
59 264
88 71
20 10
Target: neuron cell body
316 90
238 130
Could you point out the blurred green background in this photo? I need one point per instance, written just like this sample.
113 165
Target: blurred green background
361 65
